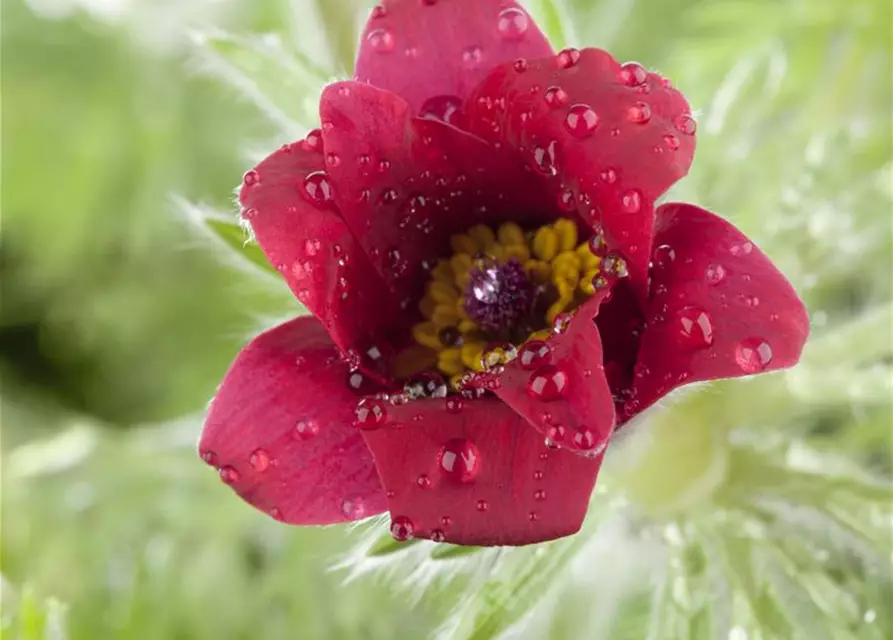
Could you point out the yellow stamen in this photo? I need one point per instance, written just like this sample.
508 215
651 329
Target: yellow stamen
483 236
449 361
545 243
426 334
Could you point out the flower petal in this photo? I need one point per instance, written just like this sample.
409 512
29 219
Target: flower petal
405 184
565 394
616 136
474 472
280 430
718 309
433 53
287 201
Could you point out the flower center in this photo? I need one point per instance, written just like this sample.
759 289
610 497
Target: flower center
499 289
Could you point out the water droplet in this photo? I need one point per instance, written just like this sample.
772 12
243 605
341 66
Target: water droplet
741 249
210 458
753 355
276 514
632 74
545 158
562 322
534 354
512 23
333 159
664 255
555 97
498 354
423 481
547 383
381 40
437 535
566 200
425 385
538 475
353 508
631 201
520 65
250 178
539 494
639 113
260 460
444 108
313 140
370 413
446 521
567 58
482 505
228 474
459 460
715 274
585 439
378 12
671 141
695 327
472 57
581 121
306 429
533 516
359 382
318 189
686 124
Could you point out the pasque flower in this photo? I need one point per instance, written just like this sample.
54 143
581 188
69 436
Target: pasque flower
493 289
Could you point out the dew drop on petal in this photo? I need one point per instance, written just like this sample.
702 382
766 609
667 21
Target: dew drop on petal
425 385
562 322
631 201
370 413
306 429
695 327
664 255
455 404
520 65
581 121
423 481
538 475
566 200
567 58
250 178
313 140
639 113
555 97
512 23
402 528
259 460
437 535
482 505
671 141
353 508
608 176
443 108
533 516
547 383
210 458
715 274
318 189
459 460
539 494
686 124
753 355
472 57
632 74
276 514
378 12
228 474
534 354
585 439
381 40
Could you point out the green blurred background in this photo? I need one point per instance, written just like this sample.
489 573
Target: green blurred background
126 125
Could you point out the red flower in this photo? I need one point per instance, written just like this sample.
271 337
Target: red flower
464 135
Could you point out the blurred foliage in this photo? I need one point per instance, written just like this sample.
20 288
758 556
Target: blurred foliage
747 509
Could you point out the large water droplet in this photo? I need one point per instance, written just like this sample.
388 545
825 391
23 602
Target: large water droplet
444 108
632 74
567 58
250 178
370 413
753 355
210 458
402 528
425 385
228 474
313 140
306 429
512 23
260 460
686 124
695 327
664 255
581 121
545 158
639 113
547 383
381 40
498 354
555 97
459 460
534 354
318 189
562 322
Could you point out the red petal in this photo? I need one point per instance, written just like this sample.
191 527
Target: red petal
281 431
287 201
473 472
718 309
617 136
406 184
565 396
433 53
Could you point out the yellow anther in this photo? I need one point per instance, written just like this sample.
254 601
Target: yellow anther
519 252
566 260
443 272
586 282
472 353
414 359
449 361
461 264
427 306
462 243
443 292
467 326
545 243
588 260
538 270
427 334
483 236
511 234
542 334
567 234
460 309
456 381
497 253
445 316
